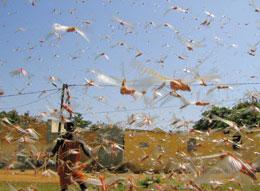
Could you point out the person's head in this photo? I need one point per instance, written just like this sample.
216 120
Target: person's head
69 126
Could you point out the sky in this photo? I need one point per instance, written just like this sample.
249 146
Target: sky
27 41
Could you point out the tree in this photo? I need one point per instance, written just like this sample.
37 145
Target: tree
244 114
23 120
13 116
79 121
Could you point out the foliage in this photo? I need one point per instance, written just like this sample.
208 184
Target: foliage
20 119
94 127
79 121
25 120
98 126
244 114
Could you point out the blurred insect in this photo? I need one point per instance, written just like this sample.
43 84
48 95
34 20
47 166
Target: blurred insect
121 44
252 50
219 87
49 173
234 45
203 79
53 80
19 72
171 27
177 9
124 23
253 94
33 2
188 43
174 120
124 89
182 57
194 186
9 138
105 183
158 159
251 109
87 22
102 55
27 134
145 120
34 134
229 165
53 113
226 142
20 29
101 99
231 124
197 103
25 139
161 61
206 22
115 148
144 158
58 29
253 4
175 84
132 119
90 83
11 187
209 14
138 53
6 121
157 91
149 25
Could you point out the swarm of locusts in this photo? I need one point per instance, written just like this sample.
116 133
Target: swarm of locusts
167 52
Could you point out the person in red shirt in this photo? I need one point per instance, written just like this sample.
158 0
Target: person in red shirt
69 166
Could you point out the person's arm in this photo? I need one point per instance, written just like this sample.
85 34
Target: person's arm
86 149
59 142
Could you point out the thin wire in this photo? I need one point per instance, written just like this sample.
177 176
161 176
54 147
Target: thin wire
30 103
84 85
30 93
211 84
231 84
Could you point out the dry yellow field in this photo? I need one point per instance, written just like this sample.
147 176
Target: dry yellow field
27 176
24 179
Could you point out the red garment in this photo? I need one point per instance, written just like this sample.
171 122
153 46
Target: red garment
68 162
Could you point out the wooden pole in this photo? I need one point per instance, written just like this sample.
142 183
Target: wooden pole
64 86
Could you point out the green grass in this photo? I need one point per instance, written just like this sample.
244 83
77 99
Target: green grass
147 183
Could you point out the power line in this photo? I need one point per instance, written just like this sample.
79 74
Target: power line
211 84
30 103
231 84
30 93
111 111
84 85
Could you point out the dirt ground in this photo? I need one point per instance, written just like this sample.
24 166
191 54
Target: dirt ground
24 179
29 176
